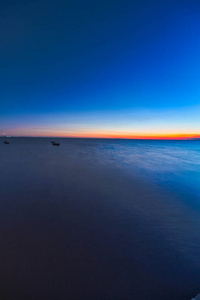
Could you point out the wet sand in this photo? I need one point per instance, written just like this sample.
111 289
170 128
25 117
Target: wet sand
76 226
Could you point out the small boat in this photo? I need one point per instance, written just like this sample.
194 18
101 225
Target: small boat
55 144
5 142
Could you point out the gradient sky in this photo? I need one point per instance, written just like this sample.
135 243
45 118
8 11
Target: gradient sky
104 68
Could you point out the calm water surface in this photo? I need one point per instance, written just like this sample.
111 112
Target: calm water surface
99 219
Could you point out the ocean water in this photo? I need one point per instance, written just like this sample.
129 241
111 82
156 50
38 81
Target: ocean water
99 219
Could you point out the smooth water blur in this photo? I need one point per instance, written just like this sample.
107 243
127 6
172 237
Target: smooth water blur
99 219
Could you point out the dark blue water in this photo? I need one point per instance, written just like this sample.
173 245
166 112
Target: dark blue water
99 219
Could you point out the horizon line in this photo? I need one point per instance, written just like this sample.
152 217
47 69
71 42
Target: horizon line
172 137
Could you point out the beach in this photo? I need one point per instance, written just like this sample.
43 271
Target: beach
99 219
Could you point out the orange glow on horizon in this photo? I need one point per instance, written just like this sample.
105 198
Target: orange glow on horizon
115 135
132 136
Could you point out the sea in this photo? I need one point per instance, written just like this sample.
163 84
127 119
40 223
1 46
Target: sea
99 219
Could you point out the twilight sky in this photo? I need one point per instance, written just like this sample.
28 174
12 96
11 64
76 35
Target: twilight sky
107 68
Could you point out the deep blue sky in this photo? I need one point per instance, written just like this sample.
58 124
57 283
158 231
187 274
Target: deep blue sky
87 67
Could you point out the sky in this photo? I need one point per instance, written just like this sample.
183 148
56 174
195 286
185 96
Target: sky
109 68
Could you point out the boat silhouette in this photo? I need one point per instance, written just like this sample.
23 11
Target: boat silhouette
55 144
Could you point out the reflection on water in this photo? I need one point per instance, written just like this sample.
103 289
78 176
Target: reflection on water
99 219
